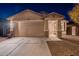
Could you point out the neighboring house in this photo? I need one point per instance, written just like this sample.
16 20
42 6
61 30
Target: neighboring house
4 28
30 23
0 28
73 29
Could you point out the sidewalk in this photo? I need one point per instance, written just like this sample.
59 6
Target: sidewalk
71 38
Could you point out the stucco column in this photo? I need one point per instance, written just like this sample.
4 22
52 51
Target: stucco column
59 28
11 25
46 28
64 27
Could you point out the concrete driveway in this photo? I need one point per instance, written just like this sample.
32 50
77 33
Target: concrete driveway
24 46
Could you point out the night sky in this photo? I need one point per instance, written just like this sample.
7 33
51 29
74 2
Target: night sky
7 10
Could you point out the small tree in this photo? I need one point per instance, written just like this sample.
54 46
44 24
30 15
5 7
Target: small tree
74 14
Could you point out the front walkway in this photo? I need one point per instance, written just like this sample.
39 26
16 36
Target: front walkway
24 46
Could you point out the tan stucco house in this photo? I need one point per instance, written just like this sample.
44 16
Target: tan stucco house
31 23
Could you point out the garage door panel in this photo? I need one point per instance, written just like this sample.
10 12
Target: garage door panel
31 28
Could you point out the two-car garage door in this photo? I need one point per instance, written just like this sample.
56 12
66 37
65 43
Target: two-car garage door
31 28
